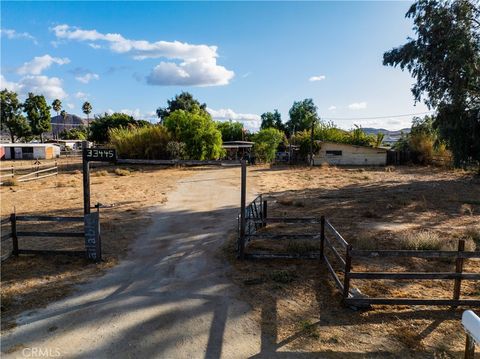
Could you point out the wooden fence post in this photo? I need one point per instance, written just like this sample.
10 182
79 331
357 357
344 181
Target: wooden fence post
346 278
13 224
243 197
458 269
469 348
322 236
265 213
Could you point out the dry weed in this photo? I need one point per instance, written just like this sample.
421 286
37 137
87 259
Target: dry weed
10 182
122 172
423 240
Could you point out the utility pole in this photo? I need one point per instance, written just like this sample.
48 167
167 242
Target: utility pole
311 142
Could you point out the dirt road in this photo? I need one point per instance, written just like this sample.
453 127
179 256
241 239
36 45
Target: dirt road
169 299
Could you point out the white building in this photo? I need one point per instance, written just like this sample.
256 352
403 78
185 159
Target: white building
29 151
344 154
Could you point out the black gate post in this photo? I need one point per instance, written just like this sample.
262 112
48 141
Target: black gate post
243 198
86 179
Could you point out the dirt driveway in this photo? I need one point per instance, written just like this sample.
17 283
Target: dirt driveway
170 298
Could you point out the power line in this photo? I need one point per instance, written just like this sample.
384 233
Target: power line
377 117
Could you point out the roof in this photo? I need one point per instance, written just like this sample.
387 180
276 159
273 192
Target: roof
237 144
356 146
19 144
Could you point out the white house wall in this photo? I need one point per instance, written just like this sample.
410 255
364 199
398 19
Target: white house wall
351 155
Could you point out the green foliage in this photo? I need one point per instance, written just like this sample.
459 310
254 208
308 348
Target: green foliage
328 132
272 120
87 108
185 102
78 133
301 115
38 114
266 144
99 128
148 142
231 131
177 150
12 119
423 142
198 131
57 105
445 60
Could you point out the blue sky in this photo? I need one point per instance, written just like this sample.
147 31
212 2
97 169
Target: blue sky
242 59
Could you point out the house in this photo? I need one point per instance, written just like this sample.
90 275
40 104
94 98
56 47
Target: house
29 151
69 145
237 150
344 154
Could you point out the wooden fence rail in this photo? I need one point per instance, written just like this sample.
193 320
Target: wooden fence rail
14 235
344 266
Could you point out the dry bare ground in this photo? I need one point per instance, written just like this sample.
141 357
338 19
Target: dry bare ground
296 302
30 282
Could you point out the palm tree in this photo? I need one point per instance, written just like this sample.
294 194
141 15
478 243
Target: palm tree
379 139
57 106
87 109
64 114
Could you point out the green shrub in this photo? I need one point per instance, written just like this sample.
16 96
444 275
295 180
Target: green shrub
203 140
266 144
140 142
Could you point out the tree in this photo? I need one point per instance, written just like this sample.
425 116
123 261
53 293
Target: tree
185 102
87 109
78 133
57 105
445 60
102 124
203 140
231 131
11 114
64 115
38 114
266 143
301 115
272 120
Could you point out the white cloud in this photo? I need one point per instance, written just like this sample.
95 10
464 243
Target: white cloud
40 63
13 34
94 46
50 87
137 114
10 86
317 78
251 121
202 72
332 108
71 106
197 67
87 77
357 106
81 95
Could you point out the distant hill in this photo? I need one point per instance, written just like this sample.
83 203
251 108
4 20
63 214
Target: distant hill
59 124
390 136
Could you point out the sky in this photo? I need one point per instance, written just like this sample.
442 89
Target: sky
240 58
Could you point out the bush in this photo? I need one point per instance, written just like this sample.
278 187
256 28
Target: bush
122 172
266 144
424 240
10 182
140 142
101 126
177 150
203 140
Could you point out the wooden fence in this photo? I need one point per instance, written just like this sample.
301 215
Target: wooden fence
256 218
15 234
22 174
342 256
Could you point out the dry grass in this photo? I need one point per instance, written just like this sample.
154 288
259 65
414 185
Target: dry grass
9 182
101 173
373 213
32 281
423 240
122 172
